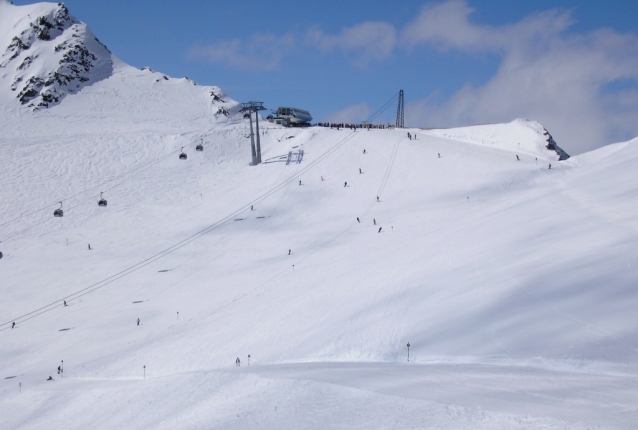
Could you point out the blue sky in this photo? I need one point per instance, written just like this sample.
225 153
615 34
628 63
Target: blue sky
571 65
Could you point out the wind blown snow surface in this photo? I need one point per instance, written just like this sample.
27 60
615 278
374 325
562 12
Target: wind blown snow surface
514 284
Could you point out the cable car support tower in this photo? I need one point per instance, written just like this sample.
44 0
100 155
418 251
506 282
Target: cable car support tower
251 107
399 122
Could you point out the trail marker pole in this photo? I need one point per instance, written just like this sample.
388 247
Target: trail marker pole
408 351
145 371
62 369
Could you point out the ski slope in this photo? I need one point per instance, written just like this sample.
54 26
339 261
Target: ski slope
513 283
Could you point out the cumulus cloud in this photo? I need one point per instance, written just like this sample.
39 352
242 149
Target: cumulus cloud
260 52
545 74
367 41
354 114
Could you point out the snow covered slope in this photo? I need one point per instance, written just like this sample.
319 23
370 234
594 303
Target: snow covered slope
514 284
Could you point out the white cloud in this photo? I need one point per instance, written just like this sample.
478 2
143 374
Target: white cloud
545 74
354 114
263 52
367 41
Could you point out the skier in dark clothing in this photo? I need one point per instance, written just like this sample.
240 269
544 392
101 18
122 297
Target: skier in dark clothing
237 362
289 251
377 198
59 369
518 159
364 151
14 323
550 166
379 230
358 220
65 303
50 378
299 182
345 184
360 170
374 221
138 321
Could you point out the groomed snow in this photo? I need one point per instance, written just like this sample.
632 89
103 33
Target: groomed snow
514 284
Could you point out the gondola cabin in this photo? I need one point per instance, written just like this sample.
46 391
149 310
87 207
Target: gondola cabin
58 213
101 202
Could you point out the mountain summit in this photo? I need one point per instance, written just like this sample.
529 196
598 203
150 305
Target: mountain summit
47 54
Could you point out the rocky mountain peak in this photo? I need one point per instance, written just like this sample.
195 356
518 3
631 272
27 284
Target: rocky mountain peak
46 53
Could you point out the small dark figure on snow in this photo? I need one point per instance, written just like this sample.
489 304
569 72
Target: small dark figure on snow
50 378
358 220
13 325
360 170
59 369
374 221
439 154
289 251
518 159
237 362
65 303
322 178
364 151
345 184
89 246
251 207
379 230
377 198
550 166
299 182
138 321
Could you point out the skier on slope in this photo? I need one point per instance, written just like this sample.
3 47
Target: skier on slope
345 184
13 325
518 159
358 220
374 221
379 230
138 321
237 362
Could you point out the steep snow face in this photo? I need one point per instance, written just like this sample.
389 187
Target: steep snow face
47 54
520 136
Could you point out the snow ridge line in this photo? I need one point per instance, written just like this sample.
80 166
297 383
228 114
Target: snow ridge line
178 245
